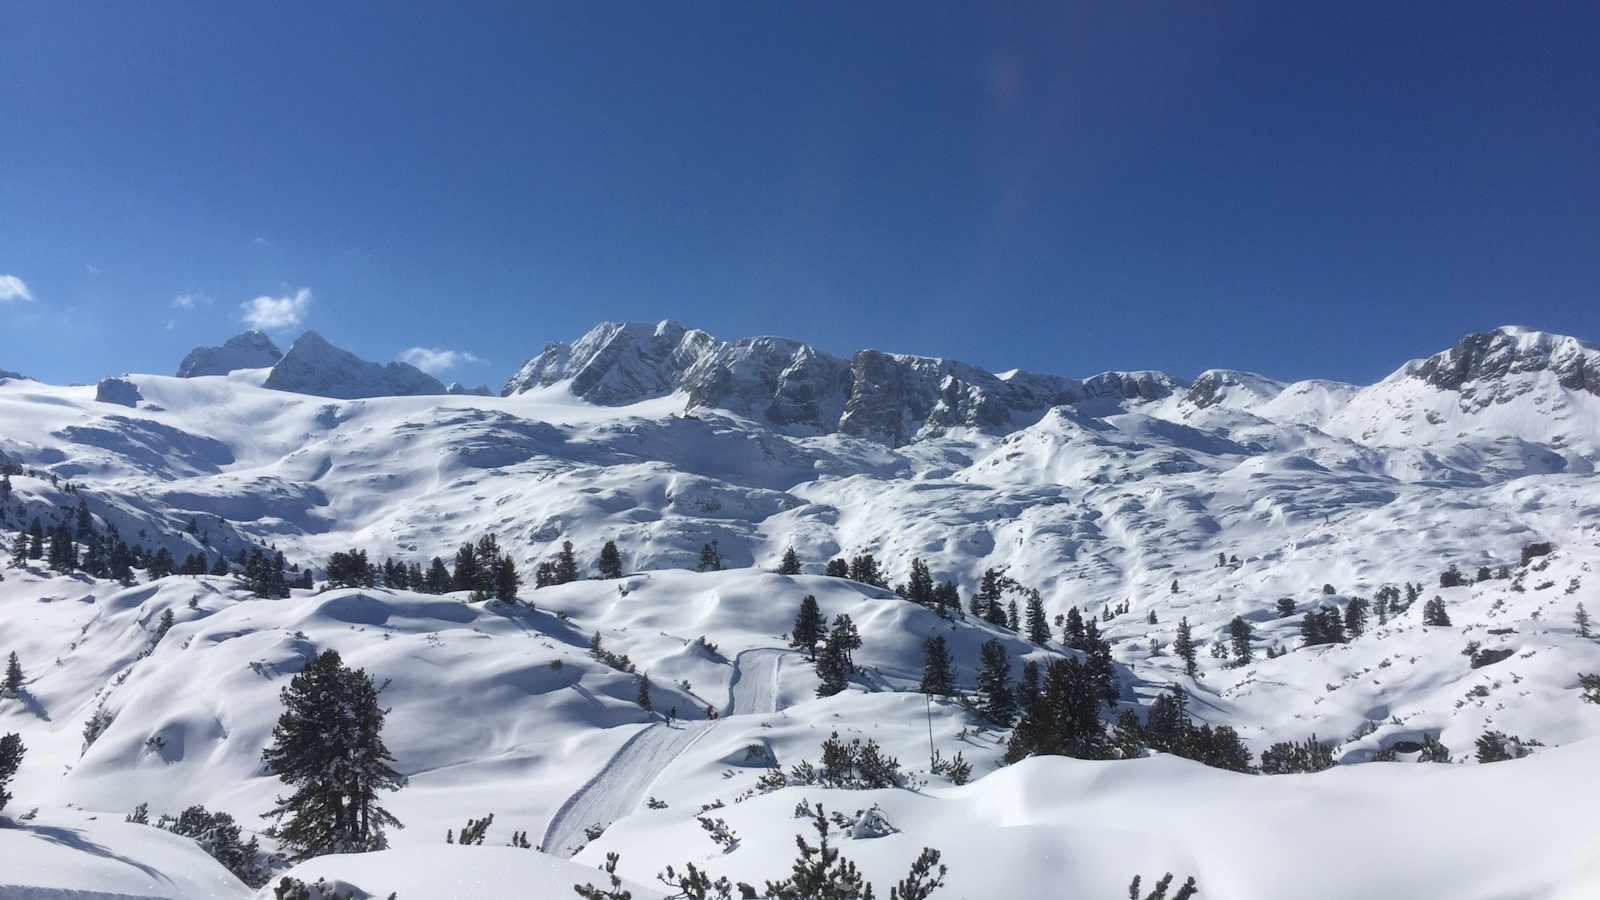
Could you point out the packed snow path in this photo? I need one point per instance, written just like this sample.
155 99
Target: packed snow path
625 780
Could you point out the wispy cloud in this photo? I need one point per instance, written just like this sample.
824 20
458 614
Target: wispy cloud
188 301
277 313
171 324
13 288
434 360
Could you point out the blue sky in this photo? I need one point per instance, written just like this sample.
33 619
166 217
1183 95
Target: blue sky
1065 188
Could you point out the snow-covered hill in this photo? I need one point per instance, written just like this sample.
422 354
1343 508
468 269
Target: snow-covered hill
1226 497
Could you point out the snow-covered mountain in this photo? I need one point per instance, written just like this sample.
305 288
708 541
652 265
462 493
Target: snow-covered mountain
250 350
890 398
1235 495
314 366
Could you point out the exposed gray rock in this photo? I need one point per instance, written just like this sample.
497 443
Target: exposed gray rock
251 350
456 387
885 397
314 366
1483 364
119 391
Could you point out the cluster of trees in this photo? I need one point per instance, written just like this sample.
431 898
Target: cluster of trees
1060 713
481 568
1328 625
835 662
11 752
217 835
1168 728
1289 757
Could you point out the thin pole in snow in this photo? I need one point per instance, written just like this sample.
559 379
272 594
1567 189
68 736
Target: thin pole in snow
927 705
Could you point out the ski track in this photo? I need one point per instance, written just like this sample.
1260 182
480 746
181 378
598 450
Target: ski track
625 780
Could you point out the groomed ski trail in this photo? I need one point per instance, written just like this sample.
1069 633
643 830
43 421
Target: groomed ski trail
624 781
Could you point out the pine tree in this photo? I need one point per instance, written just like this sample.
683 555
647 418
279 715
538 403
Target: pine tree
1038 624
566 569
488 553
437 581
1433 612
505 578
610 565
13 682
1072 632
919 588
1240 632
864 568
832 668
19 549
1580 618
1183 645
790 564
844 631
1013 617
1355 617
221 566
467 571
1100 665
710 559
160 565
808 627
328 747
1151 618
837 568
644 694
36 539
938 668
997 702
11 751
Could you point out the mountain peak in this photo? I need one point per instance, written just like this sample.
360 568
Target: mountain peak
314 366
249 350
1499 355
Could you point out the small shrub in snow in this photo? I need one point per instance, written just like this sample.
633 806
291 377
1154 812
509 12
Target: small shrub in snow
218 836
593 832
1497 746
590 892
1159 892
1590 684
1433 751
653 803
472 833
720 833
958 770
1288 757
98 722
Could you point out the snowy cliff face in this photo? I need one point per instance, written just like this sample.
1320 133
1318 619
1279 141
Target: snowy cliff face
1494 366
314 366
889 398
251 350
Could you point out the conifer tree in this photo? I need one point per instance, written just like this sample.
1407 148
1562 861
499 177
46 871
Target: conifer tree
36 539
832 668
1038 624
1013 617
1433 612
837 568
1240 633
938 668
221 566
1580 619
328 747
610 564
468 570
1100 665
437 581
11 752
1072 632
1355 616
997 702
644 694
19 549
504 576
808 627
566 566
160 565
844 631
919 588
790 564
1183 645
13 682
864 568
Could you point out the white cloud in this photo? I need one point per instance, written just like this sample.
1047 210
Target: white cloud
434 360
171 324
277 313
188 301
13 288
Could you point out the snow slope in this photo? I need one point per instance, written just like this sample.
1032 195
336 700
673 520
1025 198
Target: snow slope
1116 489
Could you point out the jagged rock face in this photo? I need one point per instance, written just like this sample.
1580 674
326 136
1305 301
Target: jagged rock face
885 397
314 366
251 350
787 383
457 388
1480 364
4 375
118 391
1214 386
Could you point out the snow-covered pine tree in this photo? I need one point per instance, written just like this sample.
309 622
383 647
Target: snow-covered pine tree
328 747
1183 646
566 566
645 702
11 752
1239 632
13 682
790 564
1433 612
